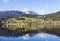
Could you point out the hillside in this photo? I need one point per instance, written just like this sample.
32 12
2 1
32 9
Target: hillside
53 16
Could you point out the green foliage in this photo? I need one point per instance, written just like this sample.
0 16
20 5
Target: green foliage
53 16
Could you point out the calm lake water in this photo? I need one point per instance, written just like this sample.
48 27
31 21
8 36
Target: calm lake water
5 36
33 37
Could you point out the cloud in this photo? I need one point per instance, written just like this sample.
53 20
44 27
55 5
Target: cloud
46 6
5 1
26 10
43 10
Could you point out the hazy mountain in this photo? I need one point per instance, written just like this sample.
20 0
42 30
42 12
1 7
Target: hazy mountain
15 13
51 16
10 13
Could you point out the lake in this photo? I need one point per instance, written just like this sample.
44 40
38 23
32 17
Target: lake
32 37
42 35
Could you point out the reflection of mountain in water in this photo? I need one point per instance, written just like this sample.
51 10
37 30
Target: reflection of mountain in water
34 37
52 29
10 33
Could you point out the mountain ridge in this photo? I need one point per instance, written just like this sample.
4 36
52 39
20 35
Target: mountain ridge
15 13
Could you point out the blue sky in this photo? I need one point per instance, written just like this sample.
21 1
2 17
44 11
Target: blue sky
38 6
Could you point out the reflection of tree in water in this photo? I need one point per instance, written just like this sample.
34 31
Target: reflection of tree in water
0 24
47 28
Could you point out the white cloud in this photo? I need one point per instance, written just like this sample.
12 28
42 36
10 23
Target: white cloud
46 6
43 10
5 1
26 10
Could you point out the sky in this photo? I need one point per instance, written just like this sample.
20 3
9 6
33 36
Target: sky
39 6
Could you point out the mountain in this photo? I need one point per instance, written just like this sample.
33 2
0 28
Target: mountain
53 16
10 13
30 14
14 13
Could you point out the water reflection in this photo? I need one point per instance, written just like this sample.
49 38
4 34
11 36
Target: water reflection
47 28
36 37
25 37
42 35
